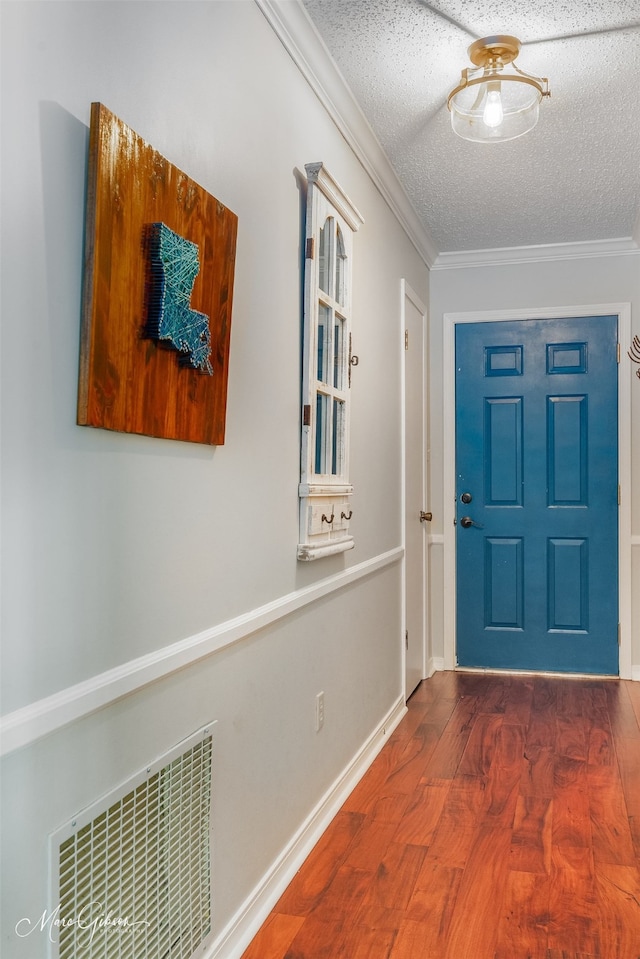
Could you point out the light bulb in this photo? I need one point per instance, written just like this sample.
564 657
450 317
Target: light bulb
493 114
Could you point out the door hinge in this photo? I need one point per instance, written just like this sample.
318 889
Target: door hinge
619 495
406 339
618 352
406 639
619 635
352 361
309 250
306 415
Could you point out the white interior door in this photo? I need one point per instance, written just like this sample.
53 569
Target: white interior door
414 325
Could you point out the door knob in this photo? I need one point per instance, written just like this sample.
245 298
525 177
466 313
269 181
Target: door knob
466 522
425 517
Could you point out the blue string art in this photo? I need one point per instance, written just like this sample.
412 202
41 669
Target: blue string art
173 267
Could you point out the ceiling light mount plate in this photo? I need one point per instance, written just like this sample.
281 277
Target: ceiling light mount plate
500 49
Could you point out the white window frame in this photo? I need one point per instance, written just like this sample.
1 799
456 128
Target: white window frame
325 490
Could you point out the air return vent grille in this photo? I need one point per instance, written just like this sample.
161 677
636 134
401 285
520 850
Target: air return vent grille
132 874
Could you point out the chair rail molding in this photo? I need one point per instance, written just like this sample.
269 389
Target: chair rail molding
38 719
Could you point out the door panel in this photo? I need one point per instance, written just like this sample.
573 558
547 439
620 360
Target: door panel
416 497
536 456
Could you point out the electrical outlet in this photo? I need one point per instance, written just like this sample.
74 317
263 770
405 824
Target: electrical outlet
319 711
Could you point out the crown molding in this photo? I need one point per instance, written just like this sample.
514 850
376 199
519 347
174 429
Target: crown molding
297 32
542 253
292 25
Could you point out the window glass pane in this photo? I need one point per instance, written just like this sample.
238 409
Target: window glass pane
324 254
324 335
341 261
339 356
322 425
336 439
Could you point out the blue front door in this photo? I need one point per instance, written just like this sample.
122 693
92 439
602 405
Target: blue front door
537 495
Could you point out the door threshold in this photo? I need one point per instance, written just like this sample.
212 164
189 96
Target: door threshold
495 671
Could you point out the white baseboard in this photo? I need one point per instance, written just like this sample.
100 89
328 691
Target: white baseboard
246 923
435 665
635 544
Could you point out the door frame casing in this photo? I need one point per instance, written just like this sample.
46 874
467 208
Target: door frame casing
407 293
450 321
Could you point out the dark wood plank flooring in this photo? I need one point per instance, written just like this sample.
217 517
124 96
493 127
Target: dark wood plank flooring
500 821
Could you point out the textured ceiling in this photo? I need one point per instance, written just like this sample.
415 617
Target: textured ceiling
574 178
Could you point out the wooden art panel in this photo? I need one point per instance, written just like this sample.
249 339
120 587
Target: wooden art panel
158 291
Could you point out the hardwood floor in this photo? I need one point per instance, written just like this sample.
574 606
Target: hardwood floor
500 821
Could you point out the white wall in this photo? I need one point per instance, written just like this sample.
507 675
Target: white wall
536 285
124 557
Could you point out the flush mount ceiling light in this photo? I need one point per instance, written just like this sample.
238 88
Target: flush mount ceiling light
488 105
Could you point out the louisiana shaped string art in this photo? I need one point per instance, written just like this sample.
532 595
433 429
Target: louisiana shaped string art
157 293
173 267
